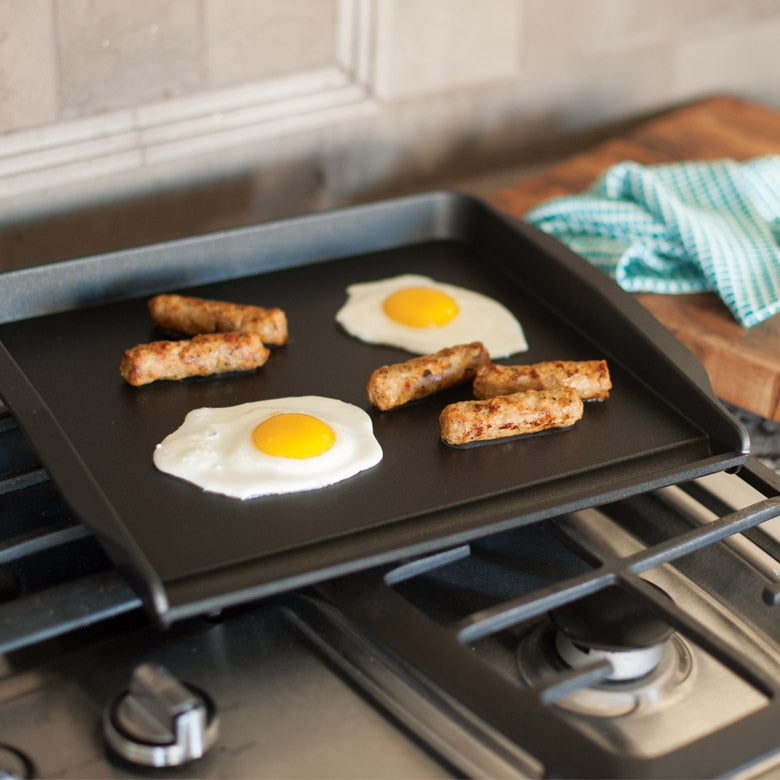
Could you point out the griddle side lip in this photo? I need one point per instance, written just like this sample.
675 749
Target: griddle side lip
317 238
255 580
77 485
225 254
664 355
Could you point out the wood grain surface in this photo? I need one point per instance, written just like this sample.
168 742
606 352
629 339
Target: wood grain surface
743 364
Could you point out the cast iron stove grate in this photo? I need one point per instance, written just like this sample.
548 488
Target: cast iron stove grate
456 638
54 576
430 638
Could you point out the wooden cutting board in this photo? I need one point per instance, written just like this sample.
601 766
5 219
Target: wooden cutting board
743 364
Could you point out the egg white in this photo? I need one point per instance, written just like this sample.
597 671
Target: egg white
213 448
479 318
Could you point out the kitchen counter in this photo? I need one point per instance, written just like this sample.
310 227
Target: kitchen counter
743 364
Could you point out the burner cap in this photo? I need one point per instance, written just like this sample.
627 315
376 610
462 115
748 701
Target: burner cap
611 619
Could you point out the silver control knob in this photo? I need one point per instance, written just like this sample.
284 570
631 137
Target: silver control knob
160 721
14 765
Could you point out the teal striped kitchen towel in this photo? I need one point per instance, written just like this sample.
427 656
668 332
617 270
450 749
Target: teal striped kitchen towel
680 228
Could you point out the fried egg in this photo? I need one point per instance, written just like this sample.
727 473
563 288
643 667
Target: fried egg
422 316
268 447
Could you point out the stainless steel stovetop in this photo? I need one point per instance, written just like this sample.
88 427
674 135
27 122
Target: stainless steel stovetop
444 666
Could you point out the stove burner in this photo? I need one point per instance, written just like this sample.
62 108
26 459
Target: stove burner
613 625
650 663
626 664
538 660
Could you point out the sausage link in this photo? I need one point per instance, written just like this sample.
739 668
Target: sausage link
528 411
197 315
590 378
395 385
203 355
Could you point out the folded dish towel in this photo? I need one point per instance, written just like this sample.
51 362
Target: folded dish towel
681 228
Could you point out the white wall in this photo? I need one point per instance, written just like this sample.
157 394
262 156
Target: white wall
309 104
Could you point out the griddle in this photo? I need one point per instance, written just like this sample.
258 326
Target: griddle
65 326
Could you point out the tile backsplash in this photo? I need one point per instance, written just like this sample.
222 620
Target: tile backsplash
307 104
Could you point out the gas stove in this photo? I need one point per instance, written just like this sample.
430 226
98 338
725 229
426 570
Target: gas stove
634 639
601 603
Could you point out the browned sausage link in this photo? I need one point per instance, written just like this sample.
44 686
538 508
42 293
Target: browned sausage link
528 411
590 378
198 315
203 355
391 386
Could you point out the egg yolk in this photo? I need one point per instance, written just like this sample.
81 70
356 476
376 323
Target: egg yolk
420 307
293 435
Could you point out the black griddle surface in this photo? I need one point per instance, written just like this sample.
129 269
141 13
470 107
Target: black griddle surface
191 550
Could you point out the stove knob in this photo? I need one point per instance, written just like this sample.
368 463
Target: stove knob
13 765
160 721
